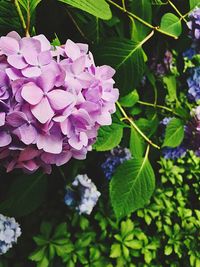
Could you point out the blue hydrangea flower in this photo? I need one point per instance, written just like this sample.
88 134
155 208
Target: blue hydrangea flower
194 24
189 53
83 195
194 84
174 153
166 120
116 157
9 233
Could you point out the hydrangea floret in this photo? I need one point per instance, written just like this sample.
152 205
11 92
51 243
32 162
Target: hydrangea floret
194 24
115 158
9 233
83 195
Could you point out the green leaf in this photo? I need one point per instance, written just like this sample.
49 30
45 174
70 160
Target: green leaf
157 2
108 137
115 251
97 8
168 250
25 195
171 24
194 3
143 10
134 244
170 82
38 254
129 100
127 58
131 186
9 19
174 133
29 5
137 145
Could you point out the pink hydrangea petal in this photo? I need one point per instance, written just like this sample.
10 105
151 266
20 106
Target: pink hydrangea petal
44 58
75 142
72 50
60 99
2 118
73 83
16 119
105 72
59 160
14 35
17 61
78 65
29 153
28 134
42 111
32 93
47 80
31 58
30 165
9 46
45 44
29 45
83 47
3 79
13 74
111 96
30 72
5 139
50 143
104 119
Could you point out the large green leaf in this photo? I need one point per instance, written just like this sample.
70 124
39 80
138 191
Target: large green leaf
174 133
25 195
158 2
29 5
8 18
194 3
129 100
127 58
97 8
171 24
170 82
131 186
109 137
143 10
137 145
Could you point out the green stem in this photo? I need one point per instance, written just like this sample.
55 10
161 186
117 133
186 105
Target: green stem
28 20
177 11
158 106
124 5
147 153
132 123
21 17
156 28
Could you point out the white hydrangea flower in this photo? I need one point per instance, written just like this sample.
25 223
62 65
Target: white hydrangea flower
9 233
89 194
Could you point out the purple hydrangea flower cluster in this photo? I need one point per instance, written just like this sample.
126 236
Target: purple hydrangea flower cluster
194 84
9 233
52 102
194 24
83 195
162 68
115 158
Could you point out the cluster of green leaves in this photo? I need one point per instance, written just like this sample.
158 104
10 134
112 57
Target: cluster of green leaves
164 233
